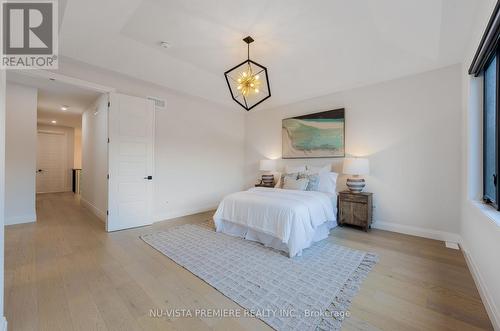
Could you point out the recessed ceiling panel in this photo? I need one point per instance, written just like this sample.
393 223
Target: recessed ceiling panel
310 48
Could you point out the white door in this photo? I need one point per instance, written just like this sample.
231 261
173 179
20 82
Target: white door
51 162
131 146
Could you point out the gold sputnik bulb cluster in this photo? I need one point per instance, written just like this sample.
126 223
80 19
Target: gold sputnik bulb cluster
248 83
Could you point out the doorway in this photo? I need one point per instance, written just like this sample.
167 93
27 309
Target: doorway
107 136
51 162
45 140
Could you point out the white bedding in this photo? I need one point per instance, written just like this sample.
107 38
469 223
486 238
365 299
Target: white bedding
293 217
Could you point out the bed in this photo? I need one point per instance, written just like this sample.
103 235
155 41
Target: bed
287 220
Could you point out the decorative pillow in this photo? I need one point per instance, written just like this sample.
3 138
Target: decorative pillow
297 169
327 179
324 182
295 184
313 181
281 181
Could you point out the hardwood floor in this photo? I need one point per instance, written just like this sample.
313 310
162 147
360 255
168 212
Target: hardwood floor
66 273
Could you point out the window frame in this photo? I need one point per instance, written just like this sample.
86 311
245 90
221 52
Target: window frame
495 204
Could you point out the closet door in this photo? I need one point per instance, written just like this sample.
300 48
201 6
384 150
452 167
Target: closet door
131 148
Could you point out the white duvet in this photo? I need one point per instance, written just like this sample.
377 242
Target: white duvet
288 215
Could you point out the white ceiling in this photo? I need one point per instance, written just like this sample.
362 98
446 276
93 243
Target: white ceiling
52 95
70 120
310 48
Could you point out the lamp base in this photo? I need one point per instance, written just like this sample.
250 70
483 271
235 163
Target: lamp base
268 180
355 185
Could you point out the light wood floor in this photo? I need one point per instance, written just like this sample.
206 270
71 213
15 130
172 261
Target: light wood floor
66 273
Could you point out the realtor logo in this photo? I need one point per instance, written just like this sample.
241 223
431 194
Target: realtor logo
29 34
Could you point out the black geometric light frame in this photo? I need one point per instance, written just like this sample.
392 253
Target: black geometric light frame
255 82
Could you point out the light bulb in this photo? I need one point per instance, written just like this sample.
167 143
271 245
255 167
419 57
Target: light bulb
256 90
257 77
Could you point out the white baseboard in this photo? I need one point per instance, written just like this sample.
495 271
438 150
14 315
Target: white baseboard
3 323
489 304
417 231
20 220
185 212
96 211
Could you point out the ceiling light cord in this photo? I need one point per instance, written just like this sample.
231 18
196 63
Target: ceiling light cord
248 40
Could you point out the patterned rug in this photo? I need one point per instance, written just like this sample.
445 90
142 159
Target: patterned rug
310 292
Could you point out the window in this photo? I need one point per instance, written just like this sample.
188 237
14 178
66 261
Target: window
486 62
490 132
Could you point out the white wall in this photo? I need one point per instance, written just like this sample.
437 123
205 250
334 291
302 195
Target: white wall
409 129
20 154
94 182
3 322
480 224
198 156
199 145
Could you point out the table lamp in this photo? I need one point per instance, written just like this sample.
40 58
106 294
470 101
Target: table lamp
356 167
268 166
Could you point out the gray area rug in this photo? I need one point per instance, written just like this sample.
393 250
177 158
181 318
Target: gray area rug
310 292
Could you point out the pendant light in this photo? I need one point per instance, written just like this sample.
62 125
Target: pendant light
248 81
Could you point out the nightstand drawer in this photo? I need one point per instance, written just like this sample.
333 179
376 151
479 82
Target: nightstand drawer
354 197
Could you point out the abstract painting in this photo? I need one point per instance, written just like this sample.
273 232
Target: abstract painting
314 135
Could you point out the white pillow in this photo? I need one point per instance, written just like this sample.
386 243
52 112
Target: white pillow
295 184
328 182
297 169
317 170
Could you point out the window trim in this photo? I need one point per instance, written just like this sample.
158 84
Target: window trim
496 54
488 44
495 204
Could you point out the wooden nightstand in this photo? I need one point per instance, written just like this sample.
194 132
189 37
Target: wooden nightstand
355 209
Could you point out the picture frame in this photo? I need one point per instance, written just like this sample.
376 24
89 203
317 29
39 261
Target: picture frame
316 135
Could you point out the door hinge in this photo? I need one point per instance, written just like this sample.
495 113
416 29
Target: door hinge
107 176
108 140
107 212
109 104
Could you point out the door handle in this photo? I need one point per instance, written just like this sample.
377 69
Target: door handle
149 177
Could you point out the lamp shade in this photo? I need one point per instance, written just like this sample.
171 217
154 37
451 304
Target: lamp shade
267 165
356 166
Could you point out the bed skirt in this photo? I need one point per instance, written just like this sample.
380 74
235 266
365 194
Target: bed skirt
244 232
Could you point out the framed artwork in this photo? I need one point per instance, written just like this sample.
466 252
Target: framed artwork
314 135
